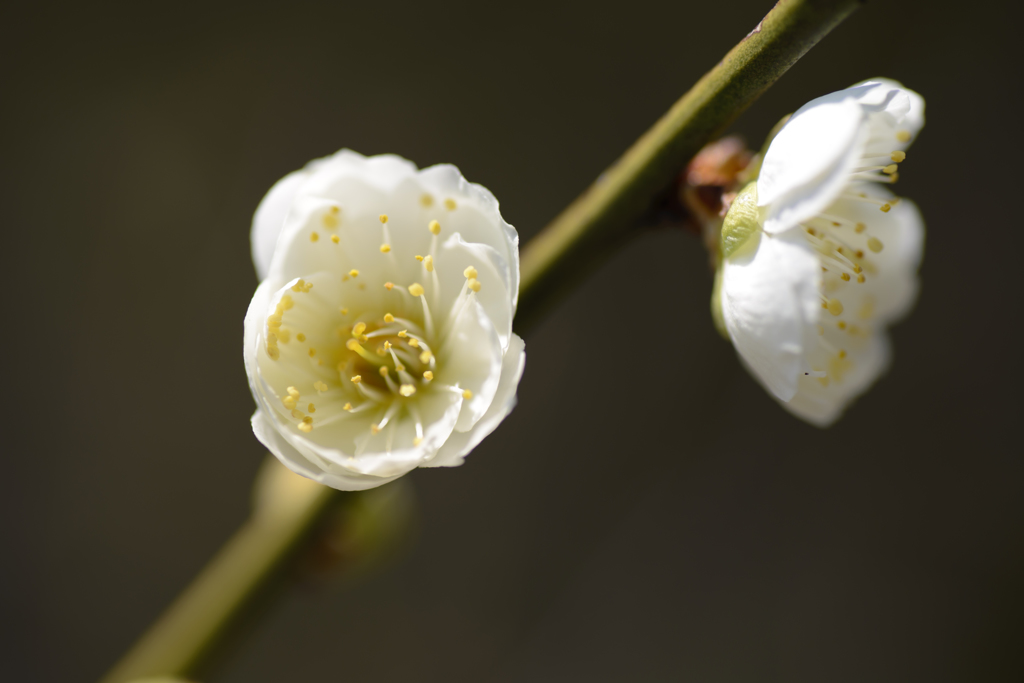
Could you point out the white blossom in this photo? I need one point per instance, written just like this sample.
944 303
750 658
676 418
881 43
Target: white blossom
380 338
819 255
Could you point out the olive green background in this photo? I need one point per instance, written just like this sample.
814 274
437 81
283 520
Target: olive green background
647 513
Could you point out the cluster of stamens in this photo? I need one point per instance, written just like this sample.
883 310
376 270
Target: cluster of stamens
831 236
371 360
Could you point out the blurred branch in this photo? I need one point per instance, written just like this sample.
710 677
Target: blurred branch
293 513
586 232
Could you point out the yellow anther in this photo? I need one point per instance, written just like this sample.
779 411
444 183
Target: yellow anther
335 239
273 352
425 357
891 168
356 379
364 338
845 277
434 227
399 368
388 318
470 273
312 352
389 286
385 248
313 237
474 284
287 302
383 218
898 157
860 278
347 406
358 329
407 390
859 253
428 375
416 289
893 178
343 311
387 345
413 342
428 263
330 221
403 333
297 414
289 402
292 391
857 268
383 371
841 325
308 420
842 353
875 244
353 273
306 427
860 227
467 394
301 337
299 286
311 408
835 306
320 386
903 136
381 351
375 429
417 441
272 339
426 200
418 257
449 204
284 335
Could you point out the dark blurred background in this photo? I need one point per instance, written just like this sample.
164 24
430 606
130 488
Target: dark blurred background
608 533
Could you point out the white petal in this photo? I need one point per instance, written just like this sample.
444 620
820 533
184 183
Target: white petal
898 109
471 359
454 450
769 295
452 259
809 162
822 405
335 477
268 221
475 217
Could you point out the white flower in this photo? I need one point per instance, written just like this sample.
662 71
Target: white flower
380 339
819 256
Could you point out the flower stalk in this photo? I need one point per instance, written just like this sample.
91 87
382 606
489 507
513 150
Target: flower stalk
573 244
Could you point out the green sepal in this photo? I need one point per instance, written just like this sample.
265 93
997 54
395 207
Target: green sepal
741 222
716 305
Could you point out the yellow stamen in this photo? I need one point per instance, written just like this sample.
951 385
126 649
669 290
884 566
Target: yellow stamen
426 200
311 408
474 284
835 306
353 273
425 357
347 406
335 239
470 273
407 390
467 394
305 427
428 263
385 248
383 218
875 244
434 227
903 136
416 289
449 204
388 318
356 379
313 237
383 371
898 157
301 337
428 375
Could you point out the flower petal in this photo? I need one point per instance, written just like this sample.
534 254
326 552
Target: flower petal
452 260
769 295
821 404
471 359
809 162
269 219
454 450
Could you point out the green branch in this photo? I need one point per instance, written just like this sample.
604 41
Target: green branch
579 239
268 544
